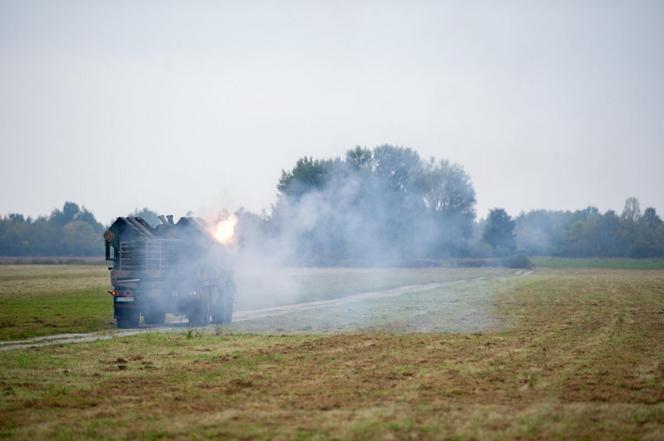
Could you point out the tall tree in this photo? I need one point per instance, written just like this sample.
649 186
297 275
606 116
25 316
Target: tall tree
651 218
632 210
384 202
499 231
307 175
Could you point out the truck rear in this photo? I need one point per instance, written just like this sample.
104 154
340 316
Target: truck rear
172 268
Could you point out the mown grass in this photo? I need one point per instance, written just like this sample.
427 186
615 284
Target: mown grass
580 356
40 300
77 311
37 300
260 287
462 305
606 263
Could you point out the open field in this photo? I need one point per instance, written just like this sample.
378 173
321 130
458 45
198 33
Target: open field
606 263
569 354
52 260
461 302
39 300
51 299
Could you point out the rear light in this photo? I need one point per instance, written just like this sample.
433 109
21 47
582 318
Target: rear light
121 293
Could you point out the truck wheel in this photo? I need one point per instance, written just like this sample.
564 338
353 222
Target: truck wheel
199 315
154 317
127 318
228 311
229 300
222 308
217 310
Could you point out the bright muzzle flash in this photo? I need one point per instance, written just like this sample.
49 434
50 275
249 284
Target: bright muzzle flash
225 229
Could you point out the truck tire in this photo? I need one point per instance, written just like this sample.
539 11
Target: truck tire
217 309
127 318
222 307
228 310
154 317
229 300
199 314
218 312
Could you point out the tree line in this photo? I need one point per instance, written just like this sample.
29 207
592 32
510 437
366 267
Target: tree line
590 233
388 202
380 204
70 231
384 203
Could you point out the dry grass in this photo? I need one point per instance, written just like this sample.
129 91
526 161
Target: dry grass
581 358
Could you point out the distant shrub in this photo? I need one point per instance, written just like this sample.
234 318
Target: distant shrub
517 261
473 263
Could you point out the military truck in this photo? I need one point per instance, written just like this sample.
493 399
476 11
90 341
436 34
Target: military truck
177 268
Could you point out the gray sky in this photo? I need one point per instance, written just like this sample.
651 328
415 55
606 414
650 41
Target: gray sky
199 105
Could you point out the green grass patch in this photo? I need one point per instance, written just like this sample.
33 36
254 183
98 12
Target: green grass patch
39 300
607 263
260 287
75 311
462 306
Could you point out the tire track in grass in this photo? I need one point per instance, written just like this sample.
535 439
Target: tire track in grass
239 316
178 324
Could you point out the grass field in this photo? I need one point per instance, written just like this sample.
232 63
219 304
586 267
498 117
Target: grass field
39 300
576 354
606 263
50 299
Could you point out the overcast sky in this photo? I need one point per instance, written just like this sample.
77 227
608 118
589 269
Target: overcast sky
200 105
